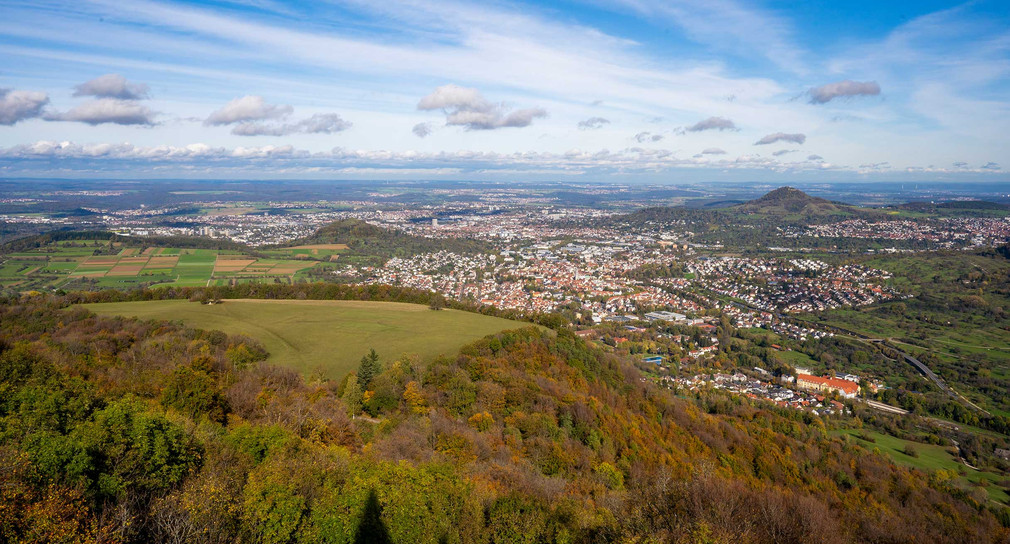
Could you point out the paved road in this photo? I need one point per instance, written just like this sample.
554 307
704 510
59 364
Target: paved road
936 379
919 365
924 370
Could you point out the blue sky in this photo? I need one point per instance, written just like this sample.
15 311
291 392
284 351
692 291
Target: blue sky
588 90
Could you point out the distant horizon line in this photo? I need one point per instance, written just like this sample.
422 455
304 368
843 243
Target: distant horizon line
499 182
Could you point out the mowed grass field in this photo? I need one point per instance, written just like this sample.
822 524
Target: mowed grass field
326 336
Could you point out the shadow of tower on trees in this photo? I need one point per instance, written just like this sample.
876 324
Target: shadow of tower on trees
371 529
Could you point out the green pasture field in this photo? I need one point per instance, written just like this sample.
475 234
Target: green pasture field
62 267
327 337
914 268
930 457
796 359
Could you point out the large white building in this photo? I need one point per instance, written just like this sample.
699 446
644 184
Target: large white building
666 316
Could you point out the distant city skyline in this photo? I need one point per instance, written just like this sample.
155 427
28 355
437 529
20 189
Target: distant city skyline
582 90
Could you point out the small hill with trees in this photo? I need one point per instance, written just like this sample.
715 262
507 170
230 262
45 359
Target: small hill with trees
964 208
790 201
365 240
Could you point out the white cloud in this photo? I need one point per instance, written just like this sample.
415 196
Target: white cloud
277 159
593 123
875 166
324 123
843 89
781 152
466 107
17 106
266 152
946 68
260 129
112 86
320 123
712 123
643 137
483 45
247 108
815 158
107 110
713 151
453 97
990 166
782 137
529 56
422 130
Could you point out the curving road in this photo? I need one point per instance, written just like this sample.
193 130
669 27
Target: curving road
919 365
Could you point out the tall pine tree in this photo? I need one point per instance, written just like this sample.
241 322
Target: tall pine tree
368 369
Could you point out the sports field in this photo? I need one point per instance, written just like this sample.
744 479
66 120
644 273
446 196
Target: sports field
326 336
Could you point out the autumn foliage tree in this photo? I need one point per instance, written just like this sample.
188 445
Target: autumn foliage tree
119 430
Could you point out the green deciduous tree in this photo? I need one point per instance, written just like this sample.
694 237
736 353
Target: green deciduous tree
132 449
196 393
437 302
352 394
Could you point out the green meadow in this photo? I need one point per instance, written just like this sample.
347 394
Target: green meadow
929 457
326 336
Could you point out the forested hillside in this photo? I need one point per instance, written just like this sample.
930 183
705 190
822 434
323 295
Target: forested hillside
369 242
115 430
196 242
786 201
759 222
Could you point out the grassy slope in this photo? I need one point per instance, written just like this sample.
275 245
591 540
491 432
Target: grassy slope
328 336
930 458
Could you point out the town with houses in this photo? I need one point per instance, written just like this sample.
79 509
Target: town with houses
548 257
939 233
822 395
